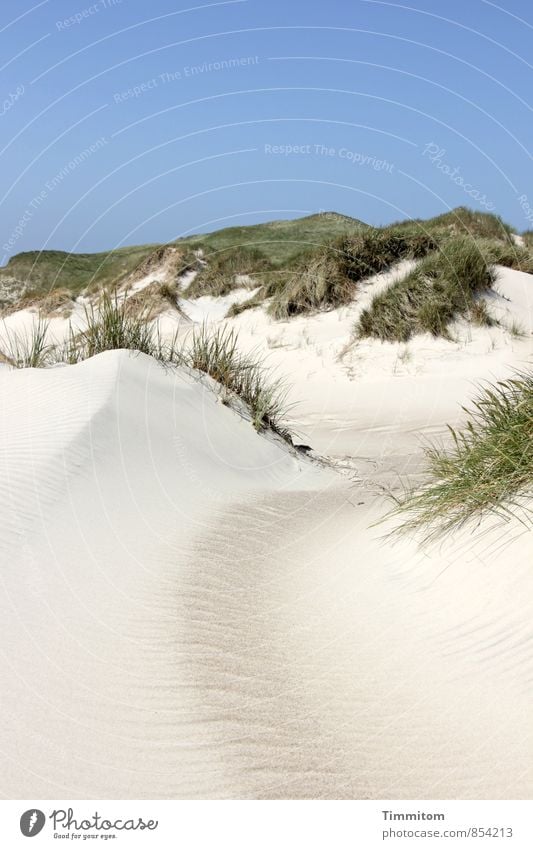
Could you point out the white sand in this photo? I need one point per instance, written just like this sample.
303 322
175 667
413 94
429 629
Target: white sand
364 399
189 610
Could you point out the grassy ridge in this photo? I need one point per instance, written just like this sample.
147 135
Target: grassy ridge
477 225
444 286
300 266
35 273
280 241
38 272
328 278
510 255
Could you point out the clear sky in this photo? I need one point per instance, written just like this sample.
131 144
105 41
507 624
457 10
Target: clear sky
127 122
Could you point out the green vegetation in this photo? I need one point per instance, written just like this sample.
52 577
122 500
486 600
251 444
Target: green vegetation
219 274
326 277
36 273
298 266
56 302
112 325
508 254
317 282
30 349
271 253
152 300
444 286
242 375
279 241
488 469
467 222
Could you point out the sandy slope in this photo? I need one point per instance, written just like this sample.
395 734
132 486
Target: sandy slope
366 401
110 470
189 610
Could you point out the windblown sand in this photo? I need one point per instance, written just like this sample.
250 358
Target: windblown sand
192 610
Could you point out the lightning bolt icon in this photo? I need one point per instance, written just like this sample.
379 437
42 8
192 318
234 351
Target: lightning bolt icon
33 820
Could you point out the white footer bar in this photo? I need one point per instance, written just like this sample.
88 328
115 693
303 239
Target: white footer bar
268 825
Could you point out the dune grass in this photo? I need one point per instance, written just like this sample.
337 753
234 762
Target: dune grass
39 272
507 254
220 273
489 467
324 276
243 375
57 302
40 278
279 241
317 282
443 287
377 250
111 325
153 299
468 222
327 278
29 349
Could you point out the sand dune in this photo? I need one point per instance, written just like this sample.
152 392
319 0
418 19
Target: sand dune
366 399
192 610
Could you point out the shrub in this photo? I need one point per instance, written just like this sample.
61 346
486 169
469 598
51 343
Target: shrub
442 287
488 468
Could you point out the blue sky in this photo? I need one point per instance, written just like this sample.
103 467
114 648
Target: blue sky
127 122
